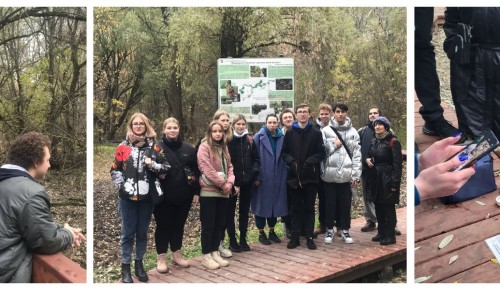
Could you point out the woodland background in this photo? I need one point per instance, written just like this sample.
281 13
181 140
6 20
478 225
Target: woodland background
43 88
163 62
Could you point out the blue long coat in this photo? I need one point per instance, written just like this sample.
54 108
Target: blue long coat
270 198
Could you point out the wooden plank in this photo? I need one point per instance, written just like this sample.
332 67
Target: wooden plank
56 268
485 273
463 236
468 257
450 217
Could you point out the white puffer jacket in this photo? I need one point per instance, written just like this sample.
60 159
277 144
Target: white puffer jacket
337 166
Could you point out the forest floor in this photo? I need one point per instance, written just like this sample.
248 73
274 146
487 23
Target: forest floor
107 225
67 192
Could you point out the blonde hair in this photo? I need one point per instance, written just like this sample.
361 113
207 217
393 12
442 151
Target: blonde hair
170 120
237 118
150 132
325 106
229 132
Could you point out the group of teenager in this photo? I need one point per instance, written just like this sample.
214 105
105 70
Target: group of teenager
275 173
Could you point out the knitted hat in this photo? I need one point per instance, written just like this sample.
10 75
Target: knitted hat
383 121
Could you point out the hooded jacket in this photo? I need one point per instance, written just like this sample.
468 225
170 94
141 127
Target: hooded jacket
338 167
26 225
302 151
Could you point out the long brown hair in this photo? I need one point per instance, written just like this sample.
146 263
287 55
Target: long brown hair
210 141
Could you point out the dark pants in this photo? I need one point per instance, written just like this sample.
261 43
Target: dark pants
302 202
135 219
244 209
321 202
170 220
369 210
426 77
386 216
260 222
338 198
213 216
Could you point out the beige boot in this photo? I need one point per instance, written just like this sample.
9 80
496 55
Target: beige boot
178 260
209 263
161 263
218 259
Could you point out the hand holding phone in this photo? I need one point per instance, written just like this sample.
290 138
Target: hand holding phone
476 150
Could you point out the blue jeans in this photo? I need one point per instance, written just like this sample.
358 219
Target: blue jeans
135 219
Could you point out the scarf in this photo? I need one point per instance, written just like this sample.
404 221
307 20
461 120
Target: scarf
381 136
236 135
137 141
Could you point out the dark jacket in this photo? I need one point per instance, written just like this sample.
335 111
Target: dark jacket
388 170
26 225
473 84
129 166
366 135
302 152
178 154
245 159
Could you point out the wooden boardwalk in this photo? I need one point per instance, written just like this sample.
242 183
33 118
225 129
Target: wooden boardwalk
469 222
336 262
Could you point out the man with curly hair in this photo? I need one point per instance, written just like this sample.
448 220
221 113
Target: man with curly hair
26 225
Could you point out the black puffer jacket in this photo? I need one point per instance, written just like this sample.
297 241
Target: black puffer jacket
174 185
26 226
388 170
302 151
245 160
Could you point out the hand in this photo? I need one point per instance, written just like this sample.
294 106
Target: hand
337 143
148 162
77 235
256 183
438 152
196 199
355 183
227 188
438 180
369 162
236 190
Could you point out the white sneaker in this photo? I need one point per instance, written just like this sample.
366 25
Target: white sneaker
218 259
225 253
346 237
329 237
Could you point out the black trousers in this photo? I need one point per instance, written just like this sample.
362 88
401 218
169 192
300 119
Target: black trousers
213 217
321 202
170 220
338 205
302 202
426 77
245 197
386 216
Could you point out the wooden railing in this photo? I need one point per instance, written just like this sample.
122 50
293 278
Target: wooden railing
56 268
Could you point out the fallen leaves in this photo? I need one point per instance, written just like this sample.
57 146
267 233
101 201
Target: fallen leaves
453 259
480 203
422 279
445 241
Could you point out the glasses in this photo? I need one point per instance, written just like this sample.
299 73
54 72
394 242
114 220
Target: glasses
138 124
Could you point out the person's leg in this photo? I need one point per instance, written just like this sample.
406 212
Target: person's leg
382 222
369 209
427 84
271 222
207 217
297 206
230 226
181 213
309 193
244 210
220 220
329 211
345 198
128 214
144 213
260 222
163 215
390 217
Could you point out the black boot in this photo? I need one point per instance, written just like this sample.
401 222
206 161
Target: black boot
243 243
126 275
233 244
139 271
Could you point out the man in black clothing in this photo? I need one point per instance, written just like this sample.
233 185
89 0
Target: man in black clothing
302 151
426 78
